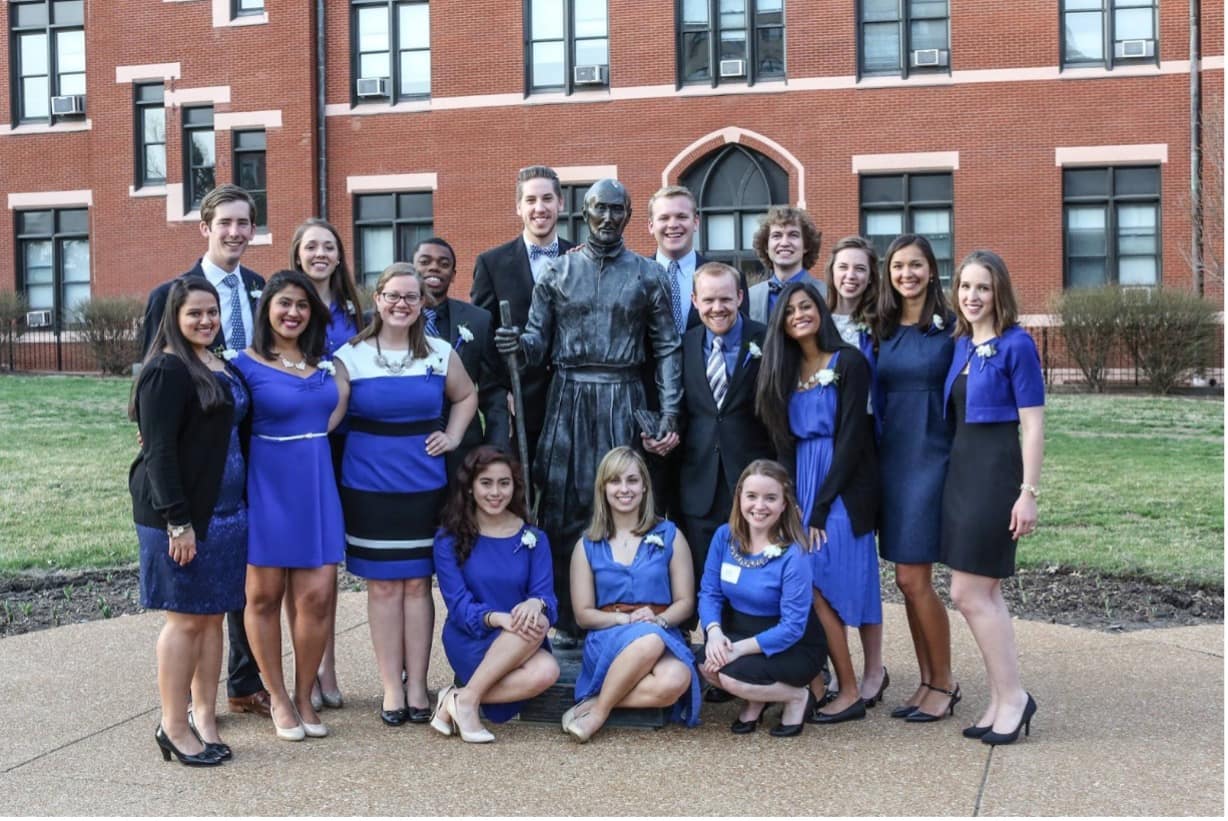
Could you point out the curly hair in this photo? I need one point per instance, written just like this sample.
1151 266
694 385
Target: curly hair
812 237
460 513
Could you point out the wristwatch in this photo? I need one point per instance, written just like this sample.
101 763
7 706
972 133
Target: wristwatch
175 531
663 623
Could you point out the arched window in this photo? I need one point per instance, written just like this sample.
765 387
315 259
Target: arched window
735 186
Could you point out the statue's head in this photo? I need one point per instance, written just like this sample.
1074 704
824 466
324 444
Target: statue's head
607 208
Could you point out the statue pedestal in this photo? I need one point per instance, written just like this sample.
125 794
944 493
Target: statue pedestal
550 705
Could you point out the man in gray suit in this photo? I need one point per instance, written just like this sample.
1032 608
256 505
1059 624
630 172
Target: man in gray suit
787 243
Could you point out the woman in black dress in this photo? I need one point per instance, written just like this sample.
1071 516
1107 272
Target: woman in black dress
996 391
191 520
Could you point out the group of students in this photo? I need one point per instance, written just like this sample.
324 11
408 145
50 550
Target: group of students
282 429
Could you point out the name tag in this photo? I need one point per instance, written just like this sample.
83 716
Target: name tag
730 573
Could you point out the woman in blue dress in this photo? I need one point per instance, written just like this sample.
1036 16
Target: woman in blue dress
295 532
852 292
995 391
913 329
495 577
316 250
763 642
394 479
631 586
187 504
812 394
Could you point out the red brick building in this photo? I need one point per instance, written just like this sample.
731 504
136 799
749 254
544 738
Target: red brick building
1057 133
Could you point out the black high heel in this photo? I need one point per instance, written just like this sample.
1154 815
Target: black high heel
740 727
222 751
976 732
917 717
204 758
877 697
905 710
1025 723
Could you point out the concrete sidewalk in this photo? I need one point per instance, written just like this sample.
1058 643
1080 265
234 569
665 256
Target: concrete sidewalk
1127 724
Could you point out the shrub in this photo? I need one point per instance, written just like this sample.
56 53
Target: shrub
111 327
1090 328
12 311
1168 334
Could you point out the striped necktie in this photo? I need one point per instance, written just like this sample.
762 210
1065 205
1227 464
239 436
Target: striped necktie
432 326
236 336
716 372
675 294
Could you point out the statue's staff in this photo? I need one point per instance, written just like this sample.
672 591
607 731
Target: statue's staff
522 443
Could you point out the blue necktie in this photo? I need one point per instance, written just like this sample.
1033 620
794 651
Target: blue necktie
536 252
715 371
675 294
432 327
236 337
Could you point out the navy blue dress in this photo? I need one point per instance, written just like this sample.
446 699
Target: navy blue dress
213 581
916 441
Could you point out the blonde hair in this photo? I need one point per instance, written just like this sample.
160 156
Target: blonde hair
612 465
789 529
417 332
673 191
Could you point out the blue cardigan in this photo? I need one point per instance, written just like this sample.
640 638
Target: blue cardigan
1000 384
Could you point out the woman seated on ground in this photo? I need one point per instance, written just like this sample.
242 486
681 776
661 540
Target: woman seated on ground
495 578
191 522
631 586
764 643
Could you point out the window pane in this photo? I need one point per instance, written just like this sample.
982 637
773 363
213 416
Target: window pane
769 12
750 224
376 206
733 14
1137 181
930 187
590 18
547 16
880 10
149 93
76 260
68 11
1136 229
888 224
410 235
695 12
416 72
927 8
35 97
377 251
198 116
1084 37
249 171
414 206
415 25
74 295
880 49
34 222
882 190
40 297
1087 273
72 83
721 232
251 140
592 52
1084 4
695 65
203 149
153 125
1136 270
75 221
31 14
373 28
38 261
931 222
374 65
155 162
1134 24
733 45
70 51
547 64
770 49
1085 232
33 54
928 34
202 181
1086 182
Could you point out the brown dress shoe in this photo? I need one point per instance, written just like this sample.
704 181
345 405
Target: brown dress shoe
257 702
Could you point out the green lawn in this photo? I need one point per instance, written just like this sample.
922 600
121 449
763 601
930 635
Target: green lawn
1132 486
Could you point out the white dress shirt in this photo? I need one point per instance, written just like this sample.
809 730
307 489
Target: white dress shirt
215 275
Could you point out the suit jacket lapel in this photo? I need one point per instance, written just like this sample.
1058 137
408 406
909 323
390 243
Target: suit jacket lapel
744 360
693 351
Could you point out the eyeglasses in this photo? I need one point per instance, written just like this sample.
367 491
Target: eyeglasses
393 298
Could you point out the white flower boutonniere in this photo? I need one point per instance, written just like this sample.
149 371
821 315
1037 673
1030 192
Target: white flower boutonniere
255 293
773 551
938 322
327 366
464 333
986 350
655 540
754 351
229 354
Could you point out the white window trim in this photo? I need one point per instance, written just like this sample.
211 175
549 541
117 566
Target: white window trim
391 183
906 163
231 120
149 72
1096 155
35 200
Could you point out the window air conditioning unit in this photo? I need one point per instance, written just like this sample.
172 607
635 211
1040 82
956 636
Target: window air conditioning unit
1128 49
38 319
68 105
590 75
930 57
372 87
733 68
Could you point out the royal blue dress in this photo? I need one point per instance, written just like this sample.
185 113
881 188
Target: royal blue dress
295 512
213 581
499 574
845 568
342 327
644 581
391 489
915 444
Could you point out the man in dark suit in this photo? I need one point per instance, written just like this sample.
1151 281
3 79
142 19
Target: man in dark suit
509 272
468 328
227 222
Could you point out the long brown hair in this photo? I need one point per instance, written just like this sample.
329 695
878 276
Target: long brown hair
341 280
1005 308
788 529
418 346
460 513
890 306
612 465
863 311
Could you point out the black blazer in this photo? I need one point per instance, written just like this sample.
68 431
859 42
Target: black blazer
156 305
504 273
177 475
717 445
481 362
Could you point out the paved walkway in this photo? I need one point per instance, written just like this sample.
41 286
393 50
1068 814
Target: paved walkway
1128 725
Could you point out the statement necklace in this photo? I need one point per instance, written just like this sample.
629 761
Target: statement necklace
395 367
301 365
807 384
751 560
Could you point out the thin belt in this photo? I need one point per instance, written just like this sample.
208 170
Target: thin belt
293 438
623 607
601 374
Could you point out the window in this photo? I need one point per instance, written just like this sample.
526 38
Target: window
250 172
1106 32
48 54
735 186
903 36
731 41
244 8
53 253
568 45
1112 226
573 227
387 227
910 204
199 155
150 131
391 35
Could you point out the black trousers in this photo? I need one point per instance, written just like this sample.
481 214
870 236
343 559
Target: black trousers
698 531
242 674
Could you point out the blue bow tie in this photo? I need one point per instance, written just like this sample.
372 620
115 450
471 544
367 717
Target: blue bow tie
775 286
537 251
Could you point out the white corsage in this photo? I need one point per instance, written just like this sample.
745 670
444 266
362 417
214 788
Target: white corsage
861 327
773 551
826 377
655 540
350 309
255 293
938 322
986 350
464 333
229 354
528 539
327 366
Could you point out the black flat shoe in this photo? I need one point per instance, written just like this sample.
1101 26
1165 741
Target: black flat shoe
918 717
783 730
715 695
1025 724
205 758
222 751
877 697
854 711
395 718
975 731
418 715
